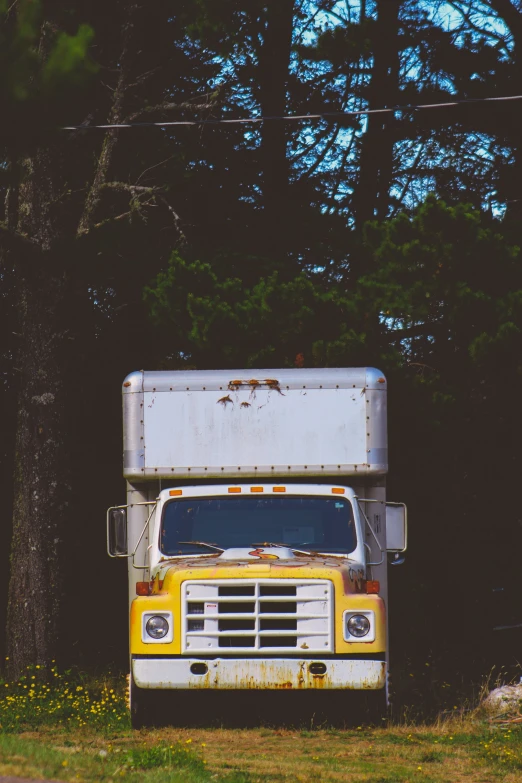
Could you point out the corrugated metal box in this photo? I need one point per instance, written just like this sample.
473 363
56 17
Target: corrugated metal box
248 423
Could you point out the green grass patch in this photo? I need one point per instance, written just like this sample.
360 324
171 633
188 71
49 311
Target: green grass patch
41 698
165 756
69 727
160 763
503 748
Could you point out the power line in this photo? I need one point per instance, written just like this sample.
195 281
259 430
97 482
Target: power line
294 117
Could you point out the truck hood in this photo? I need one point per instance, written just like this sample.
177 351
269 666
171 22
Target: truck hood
169 571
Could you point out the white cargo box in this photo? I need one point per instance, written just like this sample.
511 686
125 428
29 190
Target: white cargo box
254 423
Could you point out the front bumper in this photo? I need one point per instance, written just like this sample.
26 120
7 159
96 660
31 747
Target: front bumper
248 674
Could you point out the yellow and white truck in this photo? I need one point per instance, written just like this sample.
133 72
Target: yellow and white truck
257 531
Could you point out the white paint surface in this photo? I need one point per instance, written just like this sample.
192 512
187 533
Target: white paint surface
300 427
246 673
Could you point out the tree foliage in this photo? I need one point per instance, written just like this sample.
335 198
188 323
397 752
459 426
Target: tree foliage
389 240
216 321
42 68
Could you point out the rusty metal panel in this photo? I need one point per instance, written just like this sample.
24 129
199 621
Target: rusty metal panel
255 423
255 674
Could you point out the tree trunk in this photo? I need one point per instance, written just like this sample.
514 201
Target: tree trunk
42 489
274 63
116 116
512 16
371 196
49 312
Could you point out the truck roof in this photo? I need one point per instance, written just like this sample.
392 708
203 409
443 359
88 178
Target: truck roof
331 377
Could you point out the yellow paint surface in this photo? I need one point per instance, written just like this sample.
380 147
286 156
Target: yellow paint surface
167 597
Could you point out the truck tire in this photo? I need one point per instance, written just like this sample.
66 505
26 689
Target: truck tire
141 706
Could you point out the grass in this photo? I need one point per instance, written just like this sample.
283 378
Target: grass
52 698
68 728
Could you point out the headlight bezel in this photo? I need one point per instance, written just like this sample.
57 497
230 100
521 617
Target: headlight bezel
367 638
167 638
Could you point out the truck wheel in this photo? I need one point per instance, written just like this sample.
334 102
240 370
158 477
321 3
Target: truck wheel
140 706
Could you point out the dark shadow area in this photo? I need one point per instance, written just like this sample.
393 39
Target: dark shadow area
248 709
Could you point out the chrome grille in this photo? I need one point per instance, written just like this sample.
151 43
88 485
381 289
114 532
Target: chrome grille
257 615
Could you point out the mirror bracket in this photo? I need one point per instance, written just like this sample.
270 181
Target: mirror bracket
117 540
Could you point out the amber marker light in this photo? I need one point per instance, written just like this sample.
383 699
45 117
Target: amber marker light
256 489
338 491
174 492
279 489
232 490
142 588
373 586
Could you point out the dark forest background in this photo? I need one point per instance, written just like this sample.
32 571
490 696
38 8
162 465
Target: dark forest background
390 240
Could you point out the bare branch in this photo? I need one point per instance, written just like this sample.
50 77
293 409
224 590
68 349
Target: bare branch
161 107
469 23
112 220
111 137
176 218
154 167
136 209
10 8
144 77
422 366
155 198
510 14
126 188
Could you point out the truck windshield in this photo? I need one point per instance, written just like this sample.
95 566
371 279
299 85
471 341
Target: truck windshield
321 524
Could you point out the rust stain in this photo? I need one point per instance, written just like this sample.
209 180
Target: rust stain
315 565
320 682
245 405
225 400
274 384
269 678
255 383
155 585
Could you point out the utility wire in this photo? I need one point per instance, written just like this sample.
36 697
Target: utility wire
294 117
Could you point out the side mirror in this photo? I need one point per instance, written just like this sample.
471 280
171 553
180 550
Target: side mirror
396 528
117 545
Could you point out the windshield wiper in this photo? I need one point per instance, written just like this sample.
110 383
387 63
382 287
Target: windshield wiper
202 543
303 551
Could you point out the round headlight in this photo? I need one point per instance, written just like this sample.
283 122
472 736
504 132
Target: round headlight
358 625
157 627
